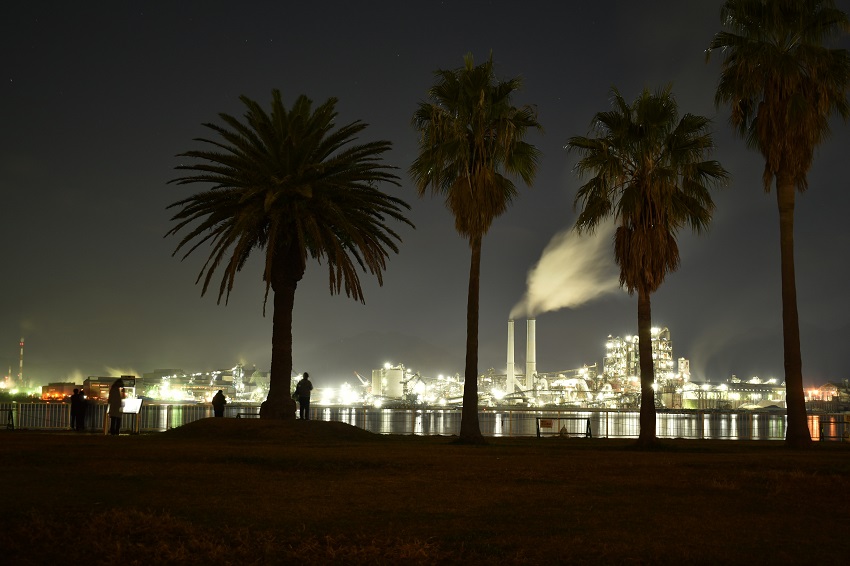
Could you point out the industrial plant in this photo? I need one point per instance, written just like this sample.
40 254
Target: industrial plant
616 385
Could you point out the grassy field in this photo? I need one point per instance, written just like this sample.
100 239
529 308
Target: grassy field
245 491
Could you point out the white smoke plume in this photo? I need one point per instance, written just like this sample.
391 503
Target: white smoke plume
573 270
118 372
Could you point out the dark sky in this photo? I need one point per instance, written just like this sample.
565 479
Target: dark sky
99 97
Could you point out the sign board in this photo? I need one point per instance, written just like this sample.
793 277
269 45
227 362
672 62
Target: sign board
132 406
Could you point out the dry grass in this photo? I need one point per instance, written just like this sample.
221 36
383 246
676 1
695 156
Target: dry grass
227 491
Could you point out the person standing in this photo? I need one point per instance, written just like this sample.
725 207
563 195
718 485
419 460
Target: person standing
116 406
76 401
303 390
218 403
78 410
82 408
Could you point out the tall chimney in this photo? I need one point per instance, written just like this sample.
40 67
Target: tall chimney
530 354
21 367
510 384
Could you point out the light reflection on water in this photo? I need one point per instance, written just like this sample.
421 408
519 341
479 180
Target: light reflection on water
607 424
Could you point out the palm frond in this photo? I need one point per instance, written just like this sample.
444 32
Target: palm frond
780 79
648 170
471 140
289 180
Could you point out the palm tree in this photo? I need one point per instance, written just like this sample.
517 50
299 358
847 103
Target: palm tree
648 171
294 185
470 140
782 85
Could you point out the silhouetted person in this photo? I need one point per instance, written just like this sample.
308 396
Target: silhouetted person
78 410
81 412
76 403
302 390
218 403
116 406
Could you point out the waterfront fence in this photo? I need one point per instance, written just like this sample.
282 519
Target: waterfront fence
602 423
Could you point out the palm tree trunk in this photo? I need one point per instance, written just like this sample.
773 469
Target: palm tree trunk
279 403
647 371
797 434
470 431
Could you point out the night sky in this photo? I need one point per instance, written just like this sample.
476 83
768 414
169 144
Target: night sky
99 97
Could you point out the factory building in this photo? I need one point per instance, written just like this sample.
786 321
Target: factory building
622 358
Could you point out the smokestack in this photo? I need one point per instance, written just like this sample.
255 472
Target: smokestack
21 368
530 354
510 385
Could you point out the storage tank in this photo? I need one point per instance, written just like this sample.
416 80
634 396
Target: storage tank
388 381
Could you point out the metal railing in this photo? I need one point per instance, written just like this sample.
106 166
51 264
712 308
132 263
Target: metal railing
694 424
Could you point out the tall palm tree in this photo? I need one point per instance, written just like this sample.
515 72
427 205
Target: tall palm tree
470 141
783 84
649 172
293 184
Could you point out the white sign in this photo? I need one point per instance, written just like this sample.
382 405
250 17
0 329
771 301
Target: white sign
132 406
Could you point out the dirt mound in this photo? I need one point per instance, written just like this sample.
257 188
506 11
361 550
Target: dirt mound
268 429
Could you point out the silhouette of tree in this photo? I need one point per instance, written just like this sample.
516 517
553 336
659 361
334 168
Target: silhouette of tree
470 138
648 172
294 185
782 85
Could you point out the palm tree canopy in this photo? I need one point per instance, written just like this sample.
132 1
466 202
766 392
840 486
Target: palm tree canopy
779 79
471 137
291 183
648 171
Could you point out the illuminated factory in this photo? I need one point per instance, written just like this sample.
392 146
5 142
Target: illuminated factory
617 386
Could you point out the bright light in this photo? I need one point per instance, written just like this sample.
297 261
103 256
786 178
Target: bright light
498 394
377 402
387 365
347 395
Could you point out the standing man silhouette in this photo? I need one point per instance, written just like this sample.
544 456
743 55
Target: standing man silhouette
303 390
218 403
76 403
116 406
